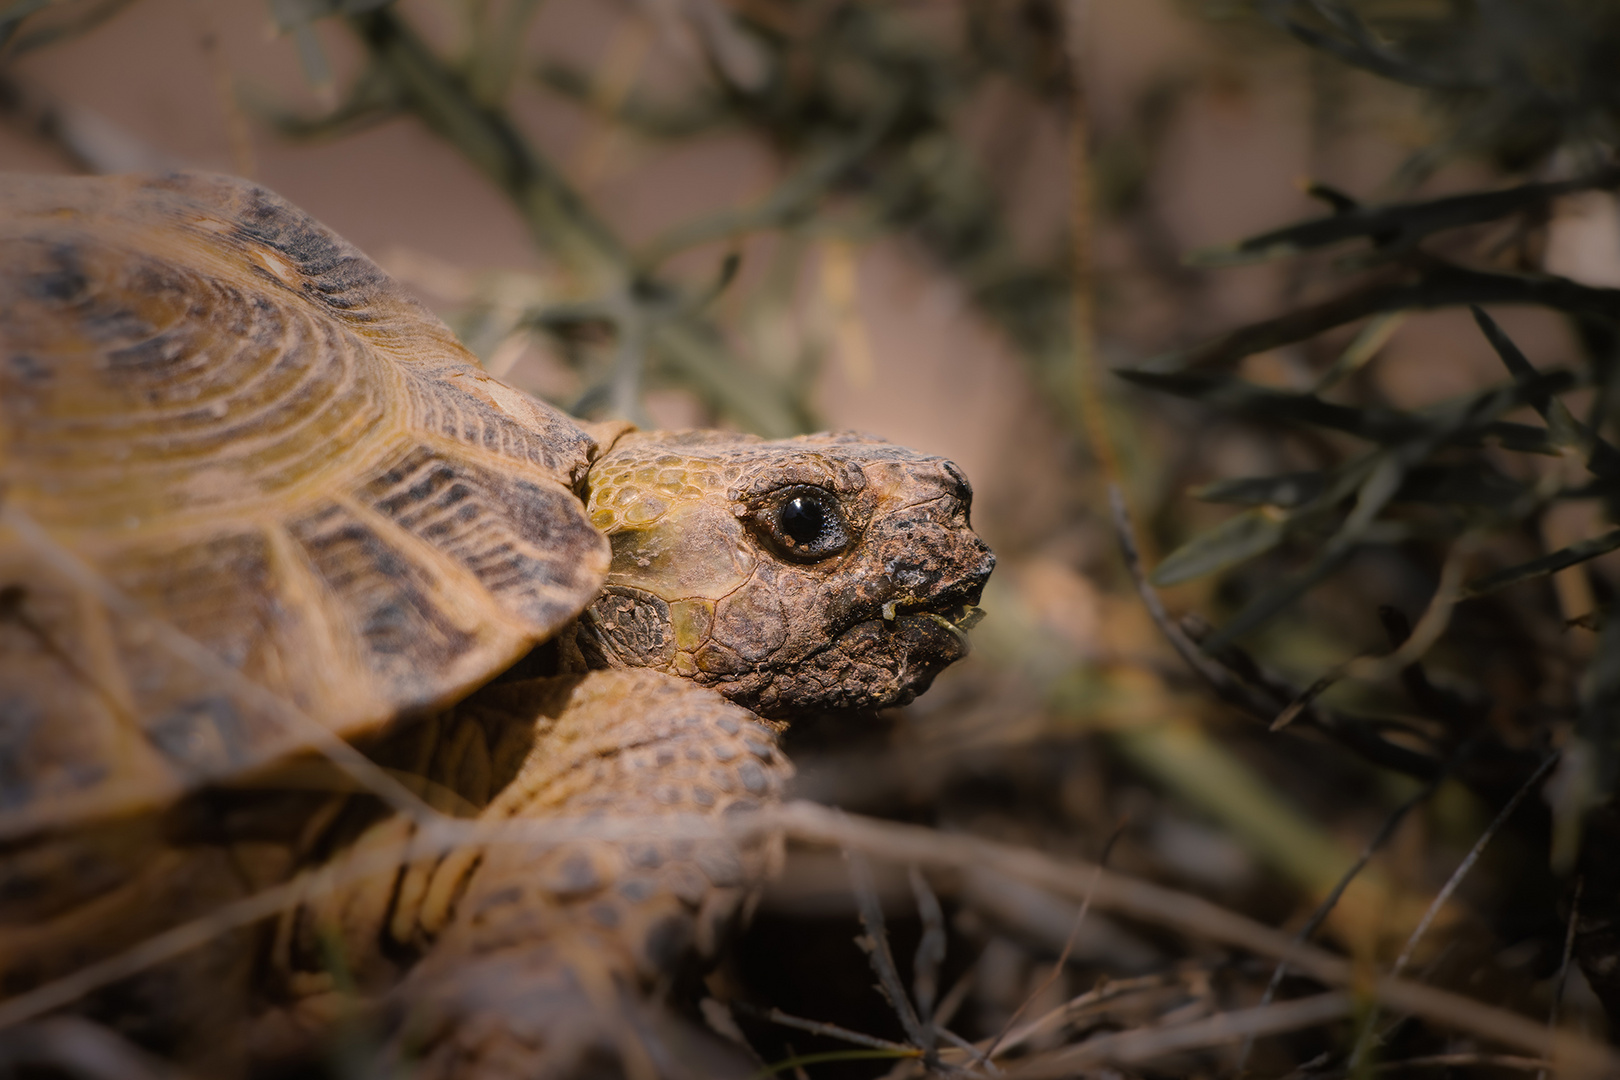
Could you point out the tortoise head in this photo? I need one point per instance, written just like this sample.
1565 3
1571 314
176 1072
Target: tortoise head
822 572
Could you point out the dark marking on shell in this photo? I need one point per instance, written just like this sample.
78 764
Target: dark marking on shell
63 281
752 777
203 736
407 638
667 941
637 889
572 875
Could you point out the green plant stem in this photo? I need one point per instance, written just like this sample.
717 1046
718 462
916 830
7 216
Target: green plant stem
557 217
562 224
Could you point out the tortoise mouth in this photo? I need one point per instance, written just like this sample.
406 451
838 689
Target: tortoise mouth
883 660
922 636
954 619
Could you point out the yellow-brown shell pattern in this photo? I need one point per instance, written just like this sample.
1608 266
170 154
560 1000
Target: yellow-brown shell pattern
650 472
641 485
246 484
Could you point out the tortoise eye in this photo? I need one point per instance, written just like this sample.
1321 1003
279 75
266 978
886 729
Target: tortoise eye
803 520
804 523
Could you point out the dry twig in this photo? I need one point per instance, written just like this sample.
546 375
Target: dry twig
1195 917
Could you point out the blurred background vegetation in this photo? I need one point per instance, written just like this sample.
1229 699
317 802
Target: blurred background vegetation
1185 283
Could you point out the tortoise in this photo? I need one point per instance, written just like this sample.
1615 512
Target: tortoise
287 581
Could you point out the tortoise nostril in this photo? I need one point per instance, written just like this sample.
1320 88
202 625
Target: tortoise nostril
981 573
972 568
960 489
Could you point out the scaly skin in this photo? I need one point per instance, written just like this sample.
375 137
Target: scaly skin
526 958
533 960
699 586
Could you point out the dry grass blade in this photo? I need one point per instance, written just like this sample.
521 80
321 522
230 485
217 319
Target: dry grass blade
1454 1061
1146 1044
1057 967
930 947
948 1006
1468 862
1563 429
976 1055
1436 617
1400 226
166 946
831 1031
1308 698
955 996
1366 1038
80 1048
1079 1005
1368 341
1193 916
1218 677
876 944
1436 285
1551 563
1563 966
1329 902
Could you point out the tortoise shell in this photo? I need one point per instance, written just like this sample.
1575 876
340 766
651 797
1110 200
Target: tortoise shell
252 496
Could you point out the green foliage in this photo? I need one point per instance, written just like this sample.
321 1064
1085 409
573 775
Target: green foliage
1519 80
1529 85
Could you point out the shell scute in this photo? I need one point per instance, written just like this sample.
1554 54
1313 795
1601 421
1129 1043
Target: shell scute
247 484
524 541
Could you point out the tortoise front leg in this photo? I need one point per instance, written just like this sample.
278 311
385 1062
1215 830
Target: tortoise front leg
544 953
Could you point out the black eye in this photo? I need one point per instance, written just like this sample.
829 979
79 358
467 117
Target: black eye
804 524
803 520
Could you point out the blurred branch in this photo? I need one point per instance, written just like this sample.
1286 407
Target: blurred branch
50 27
870 104
1238 680
497 49
645 114
371 99
1400 227
75 1046
88 140
557 217
562 224
1356 44
1465 423
795 199
1427 284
